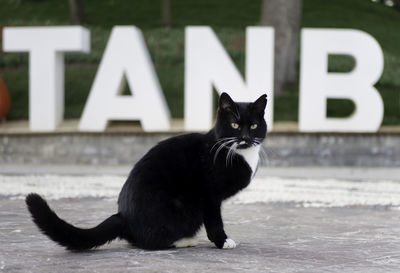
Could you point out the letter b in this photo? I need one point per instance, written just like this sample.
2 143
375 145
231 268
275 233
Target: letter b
317 85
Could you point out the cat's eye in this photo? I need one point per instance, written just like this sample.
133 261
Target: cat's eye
234 125
253 126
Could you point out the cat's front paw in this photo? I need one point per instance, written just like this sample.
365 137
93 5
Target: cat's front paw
229 243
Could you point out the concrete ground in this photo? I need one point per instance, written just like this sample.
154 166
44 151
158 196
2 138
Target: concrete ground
272 236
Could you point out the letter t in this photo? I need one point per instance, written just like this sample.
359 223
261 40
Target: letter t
46 47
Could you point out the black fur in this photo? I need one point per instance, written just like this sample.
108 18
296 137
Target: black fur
175 188
67 235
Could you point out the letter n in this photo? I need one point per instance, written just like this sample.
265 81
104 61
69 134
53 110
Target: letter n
207 65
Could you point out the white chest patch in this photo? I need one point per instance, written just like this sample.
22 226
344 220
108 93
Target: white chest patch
251 155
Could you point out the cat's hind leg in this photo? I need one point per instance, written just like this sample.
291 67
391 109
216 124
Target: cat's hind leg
185 242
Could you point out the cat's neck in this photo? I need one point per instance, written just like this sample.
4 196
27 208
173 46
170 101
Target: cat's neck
251 156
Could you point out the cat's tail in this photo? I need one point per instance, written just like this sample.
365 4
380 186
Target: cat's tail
67 235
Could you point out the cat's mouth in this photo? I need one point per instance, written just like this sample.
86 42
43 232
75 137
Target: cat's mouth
243 145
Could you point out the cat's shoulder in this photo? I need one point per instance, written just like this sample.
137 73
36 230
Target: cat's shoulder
173 149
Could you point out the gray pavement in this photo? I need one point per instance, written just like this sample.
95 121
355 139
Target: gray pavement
272 238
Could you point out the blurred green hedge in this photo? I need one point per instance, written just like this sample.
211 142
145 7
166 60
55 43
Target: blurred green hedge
166 45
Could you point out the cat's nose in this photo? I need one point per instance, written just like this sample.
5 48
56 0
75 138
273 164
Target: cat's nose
245 142
246 139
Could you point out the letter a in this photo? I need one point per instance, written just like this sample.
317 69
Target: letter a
125 57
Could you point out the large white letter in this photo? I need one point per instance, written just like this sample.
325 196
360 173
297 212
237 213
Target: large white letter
46 46
207 64
317 85
125 55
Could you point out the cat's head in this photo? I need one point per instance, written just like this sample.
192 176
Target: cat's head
242 124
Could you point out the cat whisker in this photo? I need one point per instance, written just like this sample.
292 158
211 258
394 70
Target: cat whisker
258 140
255 142
222 145
268 153
231 153
220 148
234 152
228 155
222 140
263 155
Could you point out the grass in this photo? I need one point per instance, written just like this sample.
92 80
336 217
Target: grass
166 46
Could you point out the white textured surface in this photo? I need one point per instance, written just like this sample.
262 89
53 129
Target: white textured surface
61 186
304 192
321 193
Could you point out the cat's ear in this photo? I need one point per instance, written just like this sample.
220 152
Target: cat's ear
260 103
226 103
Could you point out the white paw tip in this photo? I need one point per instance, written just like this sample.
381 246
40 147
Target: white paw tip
229 243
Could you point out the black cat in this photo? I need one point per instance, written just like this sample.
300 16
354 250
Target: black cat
176 187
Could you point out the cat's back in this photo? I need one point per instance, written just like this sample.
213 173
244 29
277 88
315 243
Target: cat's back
176 157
